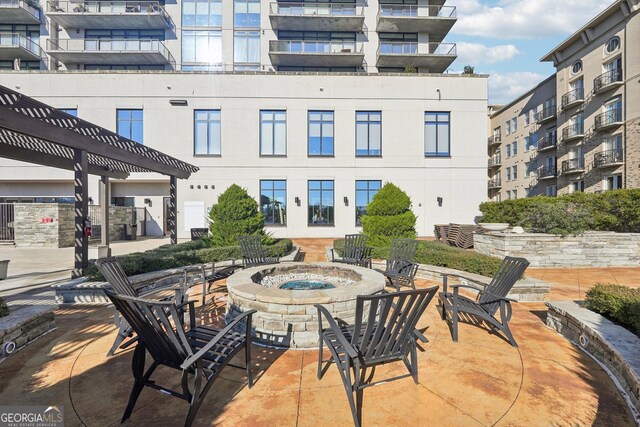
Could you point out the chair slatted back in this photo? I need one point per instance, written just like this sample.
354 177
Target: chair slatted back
158 325
252 250
354 246
386 323
401 253
508 274
115 275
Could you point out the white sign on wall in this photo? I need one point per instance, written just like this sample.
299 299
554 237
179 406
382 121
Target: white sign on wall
194 215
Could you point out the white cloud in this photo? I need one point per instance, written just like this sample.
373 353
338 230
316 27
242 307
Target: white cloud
505 87
518 19
478 54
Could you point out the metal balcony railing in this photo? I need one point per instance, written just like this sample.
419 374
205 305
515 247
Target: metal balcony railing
34 11
412 48
320 47
413 11
110 7
495 139
111 45
495 161
495 183
316 9
607 79
546 114
608 118
547 172
547 142
18 40
573 165
608 158
572 97
573 131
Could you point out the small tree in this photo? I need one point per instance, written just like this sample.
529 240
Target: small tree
236 214
389 215
468 69
4 309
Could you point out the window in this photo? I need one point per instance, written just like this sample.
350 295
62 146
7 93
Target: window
508 146
526 118
514 148
532 115
130 124
206 132
551 190
508 127
273 201
320 133
71 111
514 124
612 45
368 133
320 203
514 194
515 172
365 190
576 68
532 168
246 13
508 194
273 133
202 13
437 134
577 186
246 47
508 174
613 182
202 47
531 142
612 143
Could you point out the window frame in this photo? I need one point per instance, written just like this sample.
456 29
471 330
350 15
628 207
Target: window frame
130 121
368 122
333 201
369 196
322 122
273 140
437 123
273 191
208 111
609 43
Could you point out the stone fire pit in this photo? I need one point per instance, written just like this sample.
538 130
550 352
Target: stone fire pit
288 318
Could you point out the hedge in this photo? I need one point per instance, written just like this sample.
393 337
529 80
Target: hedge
615 210
4 308
619 303
389 215
182 254
440 255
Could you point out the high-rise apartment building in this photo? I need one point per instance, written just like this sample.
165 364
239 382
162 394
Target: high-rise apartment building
311 106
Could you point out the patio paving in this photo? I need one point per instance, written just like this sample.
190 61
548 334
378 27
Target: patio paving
480 380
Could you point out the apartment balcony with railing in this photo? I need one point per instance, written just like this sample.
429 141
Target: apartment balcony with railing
437 57
316 16
110 51
609 158
130 15
316 53
546 114
573 98
608 120
436 20
16 46
19 12
494 140
547 172
573 166
573 132
547 143
607 81
495 160
495 183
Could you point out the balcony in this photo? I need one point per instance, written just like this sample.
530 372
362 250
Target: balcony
16 46
573 132
401 18
436 57
609 159
495 183
608 120
131 15
572 166
546 114
573 98
316 16
110 51
494 140
316 53
547 143
607 81
547 172
495 161
18 12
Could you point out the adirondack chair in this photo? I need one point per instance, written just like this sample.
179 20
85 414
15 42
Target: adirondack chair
117 278
489 300
200 353
400 269
384 331
355 251
199 274
253 253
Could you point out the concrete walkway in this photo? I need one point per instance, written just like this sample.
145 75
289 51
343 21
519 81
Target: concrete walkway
481 380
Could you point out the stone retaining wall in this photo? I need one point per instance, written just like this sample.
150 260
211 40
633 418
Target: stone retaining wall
24 325
44 225
591 249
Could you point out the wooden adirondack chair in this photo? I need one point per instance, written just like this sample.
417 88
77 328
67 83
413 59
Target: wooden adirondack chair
253 253
355 251
400 268
384 331
197 352
490 299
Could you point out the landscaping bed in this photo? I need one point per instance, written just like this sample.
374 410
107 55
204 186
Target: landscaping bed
618 303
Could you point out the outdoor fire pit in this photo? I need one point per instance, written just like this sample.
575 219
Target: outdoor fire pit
284 296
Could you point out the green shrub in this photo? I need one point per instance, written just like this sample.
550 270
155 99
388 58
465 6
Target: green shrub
236 214
559 218
389 215
620 303
4 308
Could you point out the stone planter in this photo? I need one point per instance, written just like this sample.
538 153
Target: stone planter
4 266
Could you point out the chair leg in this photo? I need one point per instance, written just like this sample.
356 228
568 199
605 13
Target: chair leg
247 356
414 363
320 351
349 388
124 331
507 331
137 366
443 301
455 323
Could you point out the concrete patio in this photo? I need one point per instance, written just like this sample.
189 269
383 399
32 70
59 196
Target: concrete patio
480 380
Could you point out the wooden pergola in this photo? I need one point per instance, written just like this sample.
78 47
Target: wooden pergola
34 132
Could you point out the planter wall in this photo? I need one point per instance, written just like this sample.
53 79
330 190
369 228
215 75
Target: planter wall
591 249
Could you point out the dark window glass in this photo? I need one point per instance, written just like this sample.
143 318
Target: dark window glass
320 203
130 124
365 190
321 133
437 134
273 201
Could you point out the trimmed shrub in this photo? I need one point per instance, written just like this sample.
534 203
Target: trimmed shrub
559 218
389 215
4 308
620 303
236 214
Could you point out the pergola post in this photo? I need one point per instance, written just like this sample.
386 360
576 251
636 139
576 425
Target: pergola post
81 191
173 209
105 203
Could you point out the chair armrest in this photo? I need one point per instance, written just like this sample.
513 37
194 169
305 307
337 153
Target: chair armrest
446 275
336 330
219 336
456 287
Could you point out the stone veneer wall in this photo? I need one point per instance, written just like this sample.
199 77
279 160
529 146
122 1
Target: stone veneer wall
45 225
118 215
632 154
25 325
591 249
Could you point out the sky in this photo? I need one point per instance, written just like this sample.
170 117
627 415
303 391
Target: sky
507 38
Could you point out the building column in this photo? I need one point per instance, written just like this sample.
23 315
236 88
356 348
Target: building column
173 209
81 191
105 203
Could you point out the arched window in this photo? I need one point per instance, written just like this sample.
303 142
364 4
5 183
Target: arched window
612 45
577 67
